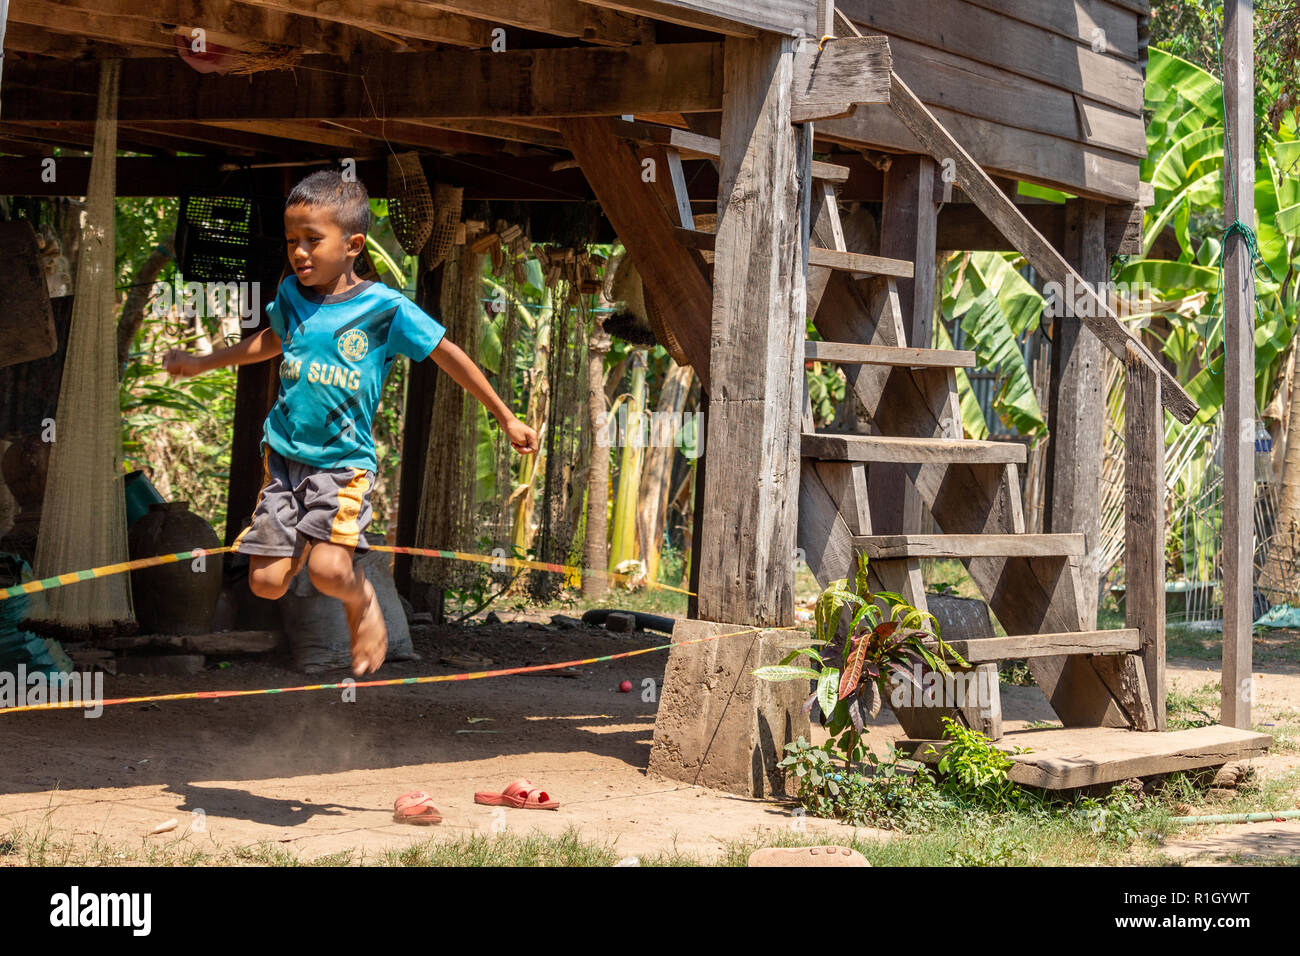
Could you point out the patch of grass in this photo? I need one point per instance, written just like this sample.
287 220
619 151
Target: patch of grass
1195 708
948 576
1270 646
1016 673
506 849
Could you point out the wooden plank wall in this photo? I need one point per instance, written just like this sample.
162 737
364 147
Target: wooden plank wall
1047 92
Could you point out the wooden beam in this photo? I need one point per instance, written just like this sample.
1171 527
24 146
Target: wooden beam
447 84
530 135
692 144
1239 410
256 388
1072 492
893 546
1082 169
1070 758
1144 523
671 271
833 76
903 450
759 273
981 650
737 18
1050 264
418 413
240 25
1028 50
394 18
848 353
61 18
565 18
837 259
908 231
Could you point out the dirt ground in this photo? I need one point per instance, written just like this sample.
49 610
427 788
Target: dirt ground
316 775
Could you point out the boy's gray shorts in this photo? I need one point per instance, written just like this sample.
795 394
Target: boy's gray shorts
300 501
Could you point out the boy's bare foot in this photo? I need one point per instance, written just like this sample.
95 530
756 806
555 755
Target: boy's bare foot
369 634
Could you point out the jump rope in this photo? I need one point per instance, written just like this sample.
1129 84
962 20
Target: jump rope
73 577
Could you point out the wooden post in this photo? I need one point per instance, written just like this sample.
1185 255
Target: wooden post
256 388
1144 523
1072 494
756 365
908 230
422 377
1238 296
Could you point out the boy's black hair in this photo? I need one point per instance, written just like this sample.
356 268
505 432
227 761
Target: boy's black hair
348 201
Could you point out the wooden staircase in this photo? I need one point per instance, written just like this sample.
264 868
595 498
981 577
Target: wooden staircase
1100 683
1031 581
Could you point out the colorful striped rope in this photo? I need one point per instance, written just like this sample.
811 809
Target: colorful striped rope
395 682
72 577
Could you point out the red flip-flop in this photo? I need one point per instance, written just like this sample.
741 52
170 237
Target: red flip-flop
521 795
417 808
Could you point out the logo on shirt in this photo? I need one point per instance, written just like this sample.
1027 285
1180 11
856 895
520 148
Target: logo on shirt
354 345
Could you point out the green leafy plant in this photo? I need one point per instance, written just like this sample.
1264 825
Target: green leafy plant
893 793
877 649
975 771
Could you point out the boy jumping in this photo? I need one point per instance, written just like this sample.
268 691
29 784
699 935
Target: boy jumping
339 337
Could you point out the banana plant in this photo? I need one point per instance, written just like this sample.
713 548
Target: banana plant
1185 165
995 306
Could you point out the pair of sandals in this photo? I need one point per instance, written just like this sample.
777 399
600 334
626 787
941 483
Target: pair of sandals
417 806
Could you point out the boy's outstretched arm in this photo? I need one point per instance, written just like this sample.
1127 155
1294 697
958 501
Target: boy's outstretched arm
255 348
452 360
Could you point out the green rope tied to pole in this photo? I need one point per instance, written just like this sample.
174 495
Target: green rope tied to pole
1237 227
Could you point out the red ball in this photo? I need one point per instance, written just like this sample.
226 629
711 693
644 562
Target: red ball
626 687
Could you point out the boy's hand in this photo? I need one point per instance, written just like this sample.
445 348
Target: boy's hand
522 438
181 364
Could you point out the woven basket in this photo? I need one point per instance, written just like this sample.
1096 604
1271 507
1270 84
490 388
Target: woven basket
410 206
446 217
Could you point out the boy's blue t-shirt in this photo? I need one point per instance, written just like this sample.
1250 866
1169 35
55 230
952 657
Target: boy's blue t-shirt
337 352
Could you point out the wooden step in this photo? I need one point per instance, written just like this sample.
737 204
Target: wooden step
855 262
698 146
891 547
986 650
882 448
1063 759
854 353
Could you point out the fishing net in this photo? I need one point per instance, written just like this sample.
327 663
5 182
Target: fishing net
447 500
447 201
498 514
566 441
410 205
84 512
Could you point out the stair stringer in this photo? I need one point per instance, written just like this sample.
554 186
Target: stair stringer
1027 595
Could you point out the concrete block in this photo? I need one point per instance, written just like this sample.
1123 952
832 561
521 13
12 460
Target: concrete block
719 726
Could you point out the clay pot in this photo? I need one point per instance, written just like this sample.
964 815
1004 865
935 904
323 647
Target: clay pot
174 598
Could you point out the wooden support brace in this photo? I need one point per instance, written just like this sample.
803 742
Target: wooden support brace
672 272
1144 525
1050 264
832 77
